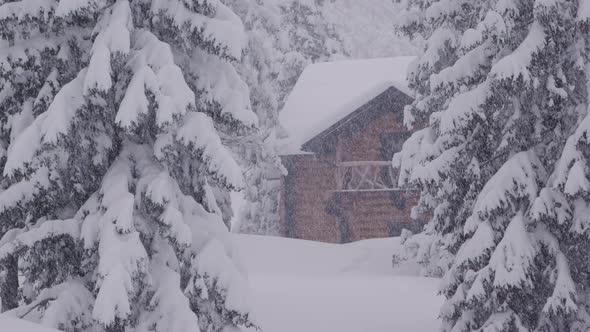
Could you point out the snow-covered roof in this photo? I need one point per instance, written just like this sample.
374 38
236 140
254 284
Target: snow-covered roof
328 92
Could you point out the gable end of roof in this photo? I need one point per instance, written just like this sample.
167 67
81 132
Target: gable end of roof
391 100
328 92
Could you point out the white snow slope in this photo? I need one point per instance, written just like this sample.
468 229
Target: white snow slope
302 286
11 324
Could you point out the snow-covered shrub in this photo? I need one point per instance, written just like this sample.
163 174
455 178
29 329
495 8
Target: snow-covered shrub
427 251
113 113
405 235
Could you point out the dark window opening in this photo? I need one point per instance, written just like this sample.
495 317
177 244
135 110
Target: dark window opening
391 143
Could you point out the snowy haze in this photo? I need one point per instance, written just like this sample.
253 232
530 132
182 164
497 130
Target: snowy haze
366 28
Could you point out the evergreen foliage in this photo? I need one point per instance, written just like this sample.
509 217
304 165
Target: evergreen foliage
113 117
502 87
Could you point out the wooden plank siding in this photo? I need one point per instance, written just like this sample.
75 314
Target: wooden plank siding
311 206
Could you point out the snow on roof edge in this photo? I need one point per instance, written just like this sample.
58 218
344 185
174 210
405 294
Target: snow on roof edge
328 92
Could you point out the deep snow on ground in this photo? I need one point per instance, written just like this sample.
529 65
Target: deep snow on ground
10 324
302 286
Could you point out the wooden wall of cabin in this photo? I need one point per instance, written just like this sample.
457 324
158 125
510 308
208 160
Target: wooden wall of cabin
365 144
371 214
305 196
313 209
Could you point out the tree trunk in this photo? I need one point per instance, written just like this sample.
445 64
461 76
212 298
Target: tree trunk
9 283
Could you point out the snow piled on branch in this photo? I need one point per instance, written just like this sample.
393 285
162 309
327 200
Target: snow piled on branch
516 65
46 229
518 178
112 39
224 28
154 70
198 130
21 10
513 257
223 86
47 128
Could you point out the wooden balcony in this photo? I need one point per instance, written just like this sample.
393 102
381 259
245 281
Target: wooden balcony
355 176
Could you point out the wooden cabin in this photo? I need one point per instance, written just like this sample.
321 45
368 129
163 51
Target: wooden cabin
345 122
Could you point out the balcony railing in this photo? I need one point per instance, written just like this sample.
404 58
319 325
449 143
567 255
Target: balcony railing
366 176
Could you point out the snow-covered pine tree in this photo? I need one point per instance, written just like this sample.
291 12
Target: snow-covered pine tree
27 85
259 68
307 37
110 206
503 88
